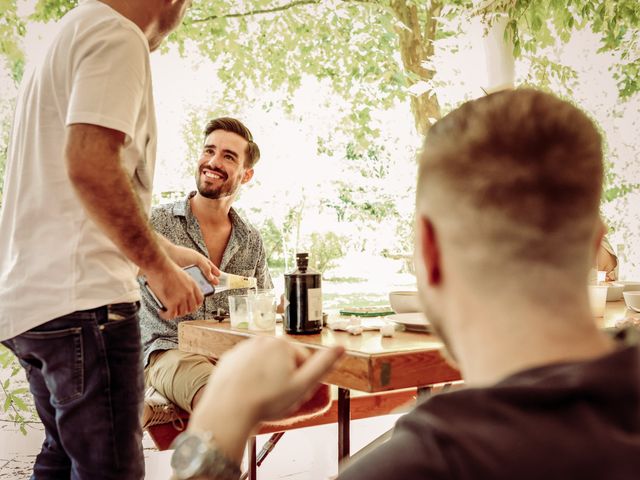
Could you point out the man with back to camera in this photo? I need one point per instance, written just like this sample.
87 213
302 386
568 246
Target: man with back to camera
74 232
547 394
206 222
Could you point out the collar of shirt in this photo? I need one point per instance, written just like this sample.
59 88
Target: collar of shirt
239 230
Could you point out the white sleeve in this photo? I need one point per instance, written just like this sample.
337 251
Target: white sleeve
109 80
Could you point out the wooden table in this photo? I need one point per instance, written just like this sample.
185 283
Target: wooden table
371 362
614 312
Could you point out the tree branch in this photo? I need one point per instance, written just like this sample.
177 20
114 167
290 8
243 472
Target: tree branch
280 8
259 11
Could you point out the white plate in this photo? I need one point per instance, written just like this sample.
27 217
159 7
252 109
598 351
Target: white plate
415 321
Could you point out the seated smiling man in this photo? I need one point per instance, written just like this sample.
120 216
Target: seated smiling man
547 394
206 222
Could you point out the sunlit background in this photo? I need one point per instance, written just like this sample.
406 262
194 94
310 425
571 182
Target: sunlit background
325 89
346 194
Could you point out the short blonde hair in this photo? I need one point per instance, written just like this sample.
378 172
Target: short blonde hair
518 173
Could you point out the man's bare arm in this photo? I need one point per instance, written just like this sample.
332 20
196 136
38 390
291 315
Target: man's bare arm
93 161
94 167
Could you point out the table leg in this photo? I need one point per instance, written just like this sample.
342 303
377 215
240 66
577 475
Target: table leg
344 420
423 393
253 470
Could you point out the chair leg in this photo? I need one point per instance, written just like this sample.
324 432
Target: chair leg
252 470
254 461
344 420
268 447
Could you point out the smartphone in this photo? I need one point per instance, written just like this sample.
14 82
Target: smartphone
194 272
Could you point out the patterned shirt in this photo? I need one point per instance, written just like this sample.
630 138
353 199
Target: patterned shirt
244 255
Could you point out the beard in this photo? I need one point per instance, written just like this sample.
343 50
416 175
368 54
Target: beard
225 189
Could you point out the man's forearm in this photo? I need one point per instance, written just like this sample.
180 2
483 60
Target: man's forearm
107 194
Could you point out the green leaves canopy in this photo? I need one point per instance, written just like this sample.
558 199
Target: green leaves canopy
369 50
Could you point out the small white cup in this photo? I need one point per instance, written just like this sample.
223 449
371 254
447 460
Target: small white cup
598 299
262 310
239 311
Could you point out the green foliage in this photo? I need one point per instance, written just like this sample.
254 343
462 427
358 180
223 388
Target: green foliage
17 402
12 28
6 108
614 186
3 160
358 46
537 24
543 73
350 45
273 238
46 10
364 197
325 249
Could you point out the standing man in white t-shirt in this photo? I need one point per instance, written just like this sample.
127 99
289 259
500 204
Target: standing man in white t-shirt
74 233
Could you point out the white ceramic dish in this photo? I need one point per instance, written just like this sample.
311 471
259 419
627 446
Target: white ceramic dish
632 299
404 302
412 321
630 286
614 293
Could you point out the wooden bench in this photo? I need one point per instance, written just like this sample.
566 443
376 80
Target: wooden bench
362 406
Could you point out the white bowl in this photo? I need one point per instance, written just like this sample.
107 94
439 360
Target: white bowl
630 286
404 302
614 293
632 299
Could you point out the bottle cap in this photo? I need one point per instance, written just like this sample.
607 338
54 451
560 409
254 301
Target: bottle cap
302 260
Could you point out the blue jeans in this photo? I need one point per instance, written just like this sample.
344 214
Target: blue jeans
85 375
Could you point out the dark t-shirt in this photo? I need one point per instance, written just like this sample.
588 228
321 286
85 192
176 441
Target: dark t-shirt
574 421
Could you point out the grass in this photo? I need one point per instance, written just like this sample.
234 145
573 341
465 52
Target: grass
345 279
337 301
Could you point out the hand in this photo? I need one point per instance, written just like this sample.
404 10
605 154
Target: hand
184 257
177 291
261 379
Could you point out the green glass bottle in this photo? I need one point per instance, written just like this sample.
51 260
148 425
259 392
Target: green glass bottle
303 298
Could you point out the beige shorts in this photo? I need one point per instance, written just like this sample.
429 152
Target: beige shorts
178 375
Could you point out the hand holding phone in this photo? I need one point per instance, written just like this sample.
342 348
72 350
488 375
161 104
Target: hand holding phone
194 272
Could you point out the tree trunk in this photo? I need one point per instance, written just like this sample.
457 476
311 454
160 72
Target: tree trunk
416 47
499 56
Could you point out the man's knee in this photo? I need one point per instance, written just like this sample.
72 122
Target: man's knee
178 375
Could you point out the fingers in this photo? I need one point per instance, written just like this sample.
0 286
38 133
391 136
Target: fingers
209 270
215 271
300 353
191 299
314 368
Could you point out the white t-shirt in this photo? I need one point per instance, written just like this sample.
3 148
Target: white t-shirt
53 259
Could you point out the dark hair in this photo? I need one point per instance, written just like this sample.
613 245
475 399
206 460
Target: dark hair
228 124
